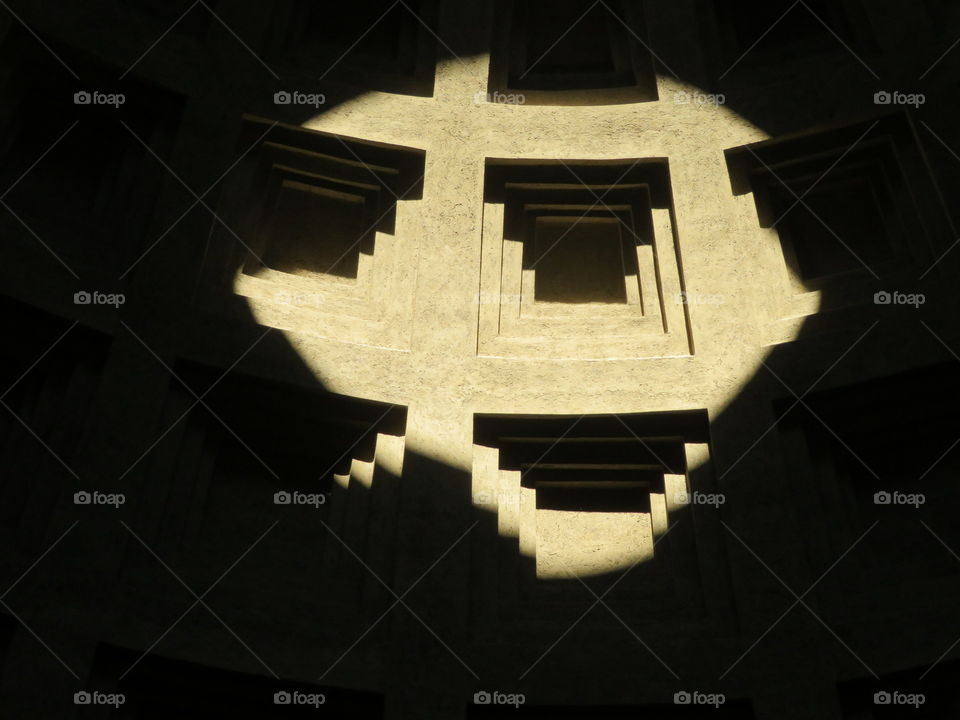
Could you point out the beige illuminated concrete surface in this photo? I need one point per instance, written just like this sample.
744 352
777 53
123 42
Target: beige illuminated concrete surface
436 368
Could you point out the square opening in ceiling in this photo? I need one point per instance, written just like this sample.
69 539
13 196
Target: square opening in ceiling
867 184
571 276
837 228
316 230
571 52
895 465
370 31
578 260
371 44
594 492
770 25
86 189
180 16
560 38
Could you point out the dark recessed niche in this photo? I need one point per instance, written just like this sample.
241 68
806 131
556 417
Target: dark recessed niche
50 378
593 464
578 262
374 32
617 496
839 206
185 17
374 44
301 210
582 258
754 31
579 250
866 450
768 25
276 422
839 226
318 200
217 470
568 52
941 13
92 196
558 40
894 427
